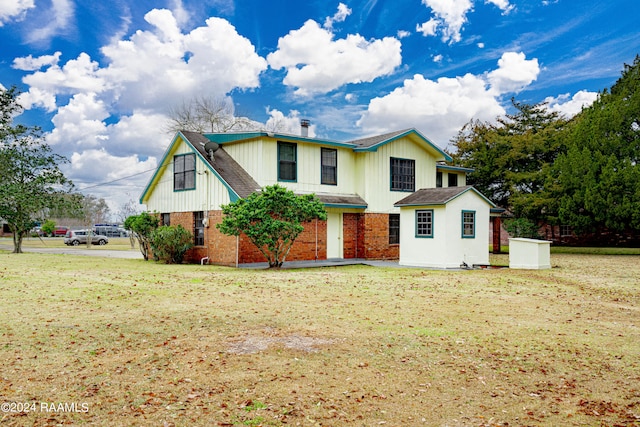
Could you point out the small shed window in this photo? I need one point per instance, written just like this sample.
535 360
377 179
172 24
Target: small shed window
424 223
468 224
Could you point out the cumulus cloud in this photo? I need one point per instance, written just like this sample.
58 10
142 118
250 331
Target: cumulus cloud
439 108
568 105
290 123
514 73
119 107
14 10
316 63
450 16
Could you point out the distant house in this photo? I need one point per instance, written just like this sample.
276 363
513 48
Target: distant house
359 182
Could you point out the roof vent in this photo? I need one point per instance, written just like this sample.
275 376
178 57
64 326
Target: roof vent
304 127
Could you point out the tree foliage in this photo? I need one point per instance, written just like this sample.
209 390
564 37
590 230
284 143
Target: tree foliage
272 219
143 226
597 179
169 244
31 179
511 159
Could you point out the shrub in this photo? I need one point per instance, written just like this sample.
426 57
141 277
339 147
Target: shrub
48 227
522 227
169 244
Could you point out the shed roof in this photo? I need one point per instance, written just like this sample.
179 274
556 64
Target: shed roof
438 196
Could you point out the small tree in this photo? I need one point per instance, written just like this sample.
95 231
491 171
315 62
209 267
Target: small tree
142 226
272 219
169 244
48 227
31 179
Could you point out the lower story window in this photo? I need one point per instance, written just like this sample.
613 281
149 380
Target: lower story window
468 224
394 229
198 228
424 223
166 219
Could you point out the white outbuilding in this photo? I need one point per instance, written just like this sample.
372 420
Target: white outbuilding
444 228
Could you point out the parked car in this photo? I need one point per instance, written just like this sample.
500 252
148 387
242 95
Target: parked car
78 237
60 231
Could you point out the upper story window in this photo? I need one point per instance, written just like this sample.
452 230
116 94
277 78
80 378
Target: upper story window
453 179
438 179
468 224
329 166
184 172
403 174
287 157
424 223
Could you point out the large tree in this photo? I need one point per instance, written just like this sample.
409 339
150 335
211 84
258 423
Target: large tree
206 114
142 226
512 158
597 180
272 219
31 179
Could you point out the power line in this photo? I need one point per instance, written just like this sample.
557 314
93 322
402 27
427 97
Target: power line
116 180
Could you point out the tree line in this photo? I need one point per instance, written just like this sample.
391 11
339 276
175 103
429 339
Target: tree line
582 172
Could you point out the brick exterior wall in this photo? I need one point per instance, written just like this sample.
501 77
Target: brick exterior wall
375 231
364 236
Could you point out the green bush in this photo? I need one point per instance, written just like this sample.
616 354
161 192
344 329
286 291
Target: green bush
522 227
169 244
48 227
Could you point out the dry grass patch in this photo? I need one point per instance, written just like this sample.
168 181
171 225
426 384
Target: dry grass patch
149 344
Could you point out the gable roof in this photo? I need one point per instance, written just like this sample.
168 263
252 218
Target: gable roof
237 181
438 196
372 143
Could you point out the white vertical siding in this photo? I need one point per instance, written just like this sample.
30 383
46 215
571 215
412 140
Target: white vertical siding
447 248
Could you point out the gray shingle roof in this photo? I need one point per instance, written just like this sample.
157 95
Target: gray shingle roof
373 140
437 196
228 169
342 200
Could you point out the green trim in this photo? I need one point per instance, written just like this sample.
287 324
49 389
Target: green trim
426 140
425 236
454 168
227 138
489 202
295 160
473 236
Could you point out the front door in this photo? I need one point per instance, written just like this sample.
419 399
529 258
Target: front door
334 235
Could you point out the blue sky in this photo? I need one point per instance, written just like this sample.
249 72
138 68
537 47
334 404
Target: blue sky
101 77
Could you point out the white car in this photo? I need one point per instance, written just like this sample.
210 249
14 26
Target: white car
78 237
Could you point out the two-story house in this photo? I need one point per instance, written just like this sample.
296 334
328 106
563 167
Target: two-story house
359 182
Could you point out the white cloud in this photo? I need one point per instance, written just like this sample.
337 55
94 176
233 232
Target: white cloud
112 115
290 123
403 34
14 10
568 105
440 108
480 45
437 58
502 4
450 16
57 21
316 63
514 73
340 16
